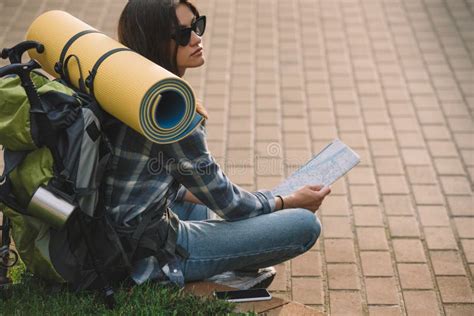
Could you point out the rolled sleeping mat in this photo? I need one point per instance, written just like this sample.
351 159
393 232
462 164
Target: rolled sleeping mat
146 97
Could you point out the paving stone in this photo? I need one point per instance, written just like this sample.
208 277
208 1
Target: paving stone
415 276
383 148
322 116
239 157
381 291
296 140
421 303
447 263
364 195
468 247
440 238
430 117
459 310
308 264
345 303
415 157
433 215
393 185
384 311
449 166
468 156
339 187
455 185
367 216
324 132
421 175
339 250
465 226
398 205
436 132
268 149
374 116
442 148
408 250
239 140
464 140
388 166
268 182
264 166
267 133
307 290
461 205
376 263
403 226
455 289
372 238
280 283
343 276
335 205
460 124
291 125
405 124
336 227
378 132
365 158
360 175
351 124
427 194
354 139
411 140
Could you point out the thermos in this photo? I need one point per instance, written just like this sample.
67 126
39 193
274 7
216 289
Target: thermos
50 207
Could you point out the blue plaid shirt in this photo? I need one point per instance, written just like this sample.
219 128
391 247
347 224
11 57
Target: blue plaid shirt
142 175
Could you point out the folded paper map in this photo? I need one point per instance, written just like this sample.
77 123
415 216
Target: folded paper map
335 160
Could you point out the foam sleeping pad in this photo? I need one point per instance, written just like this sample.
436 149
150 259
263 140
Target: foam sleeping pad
146 97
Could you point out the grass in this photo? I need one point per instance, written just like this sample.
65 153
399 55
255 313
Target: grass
33 297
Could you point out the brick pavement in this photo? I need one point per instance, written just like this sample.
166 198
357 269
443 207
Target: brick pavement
395 80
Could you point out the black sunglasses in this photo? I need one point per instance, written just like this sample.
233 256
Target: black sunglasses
183 36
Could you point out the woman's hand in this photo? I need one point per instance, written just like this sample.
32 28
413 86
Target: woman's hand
202 110
309 197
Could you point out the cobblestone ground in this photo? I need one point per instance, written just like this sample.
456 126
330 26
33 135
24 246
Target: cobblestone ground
394 79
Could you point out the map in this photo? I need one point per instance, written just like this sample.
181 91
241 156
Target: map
335 160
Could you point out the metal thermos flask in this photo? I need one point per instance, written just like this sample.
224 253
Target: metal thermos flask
50 207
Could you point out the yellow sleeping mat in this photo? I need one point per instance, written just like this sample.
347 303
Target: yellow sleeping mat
138 92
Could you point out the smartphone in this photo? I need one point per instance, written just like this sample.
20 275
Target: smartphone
244 295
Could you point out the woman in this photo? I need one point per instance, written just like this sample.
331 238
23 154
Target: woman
143 178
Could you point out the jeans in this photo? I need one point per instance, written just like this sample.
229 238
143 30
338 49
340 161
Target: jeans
216 246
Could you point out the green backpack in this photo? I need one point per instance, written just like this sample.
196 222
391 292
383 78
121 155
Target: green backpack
55 155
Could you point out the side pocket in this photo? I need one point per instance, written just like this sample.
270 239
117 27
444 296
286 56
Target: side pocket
73 260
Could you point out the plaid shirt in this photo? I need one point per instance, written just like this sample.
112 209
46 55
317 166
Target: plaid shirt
142 175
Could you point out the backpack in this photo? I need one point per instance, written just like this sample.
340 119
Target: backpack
55 154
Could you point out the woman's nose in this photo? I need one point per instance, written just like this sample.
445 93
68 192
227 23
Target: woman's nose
195 39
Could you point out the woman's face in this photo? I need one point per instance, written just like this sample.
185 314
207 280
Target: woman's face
191 55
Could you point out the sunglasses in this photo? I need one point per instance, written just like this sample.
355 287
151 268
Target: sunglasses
183 36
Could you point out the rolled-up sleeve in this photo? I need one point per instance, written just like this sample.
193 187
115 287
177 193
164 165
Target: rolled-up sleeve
191 164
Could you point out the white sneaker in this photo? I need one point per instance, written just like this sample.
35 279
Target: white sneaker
243 280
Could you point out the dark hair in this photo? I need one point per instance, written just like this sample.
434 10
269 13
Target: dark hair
146 26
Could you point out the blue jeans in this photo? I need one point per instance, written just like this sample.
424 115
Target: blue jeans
216 246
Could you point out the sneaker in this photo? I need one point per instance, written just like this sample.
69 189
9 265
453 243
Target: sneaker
244 280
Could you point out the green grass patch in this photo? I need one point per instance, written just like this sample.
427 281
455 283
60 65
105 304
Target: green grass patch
34 297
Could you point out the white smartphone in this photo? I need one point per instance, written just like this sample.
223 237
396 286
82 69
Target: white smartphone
244 295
